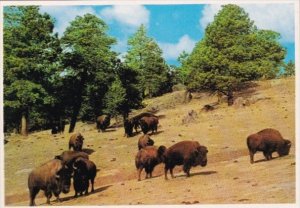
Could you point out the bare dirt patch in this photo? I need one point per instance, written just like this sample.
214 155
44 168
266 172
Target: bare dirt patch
228 177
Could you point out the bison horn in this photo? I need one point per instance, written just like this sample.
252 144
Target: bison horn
57 176
74 167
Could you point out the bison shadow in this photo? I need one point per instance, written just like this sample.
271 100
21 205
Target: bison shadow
110 129
155 133
88 151
68 198
199 173
265 160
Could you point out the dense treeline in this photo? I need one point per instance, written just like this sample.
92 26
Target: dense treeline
49 79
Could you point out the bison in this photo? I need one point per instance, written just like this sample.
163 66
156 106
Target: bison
103 122
68 157
186 153
149 123
84 170
144 141
268 141
76 142
148 158
134 122
51 177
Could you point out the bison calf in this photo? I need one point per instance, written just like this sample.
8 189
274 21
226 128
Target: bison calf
186 153
144 141
51 177
84 171
148 158
76 142
268 141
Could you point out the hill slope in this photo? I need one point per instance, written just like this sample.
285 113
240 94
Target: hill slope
228 178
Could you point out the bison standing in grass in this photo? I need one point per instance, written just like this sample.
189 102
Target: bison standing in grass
186 153
103 122
84 171
51 177
149 124
76 142
144 141
268 141
148 158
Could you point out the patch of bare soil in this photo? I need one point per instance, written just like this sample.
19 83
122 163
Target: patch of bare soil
228 177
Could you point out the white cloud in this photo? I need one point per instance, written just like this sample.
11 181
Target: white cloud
276 17
172 51
65 14
129 15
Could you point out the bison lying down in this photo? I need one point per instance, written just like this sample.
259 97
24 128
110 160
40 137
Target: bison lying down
268 141
186 153
51 177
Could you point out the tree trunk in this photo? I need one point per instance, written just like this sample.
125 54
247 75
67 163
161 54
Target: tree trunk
230 98
24 125
74 117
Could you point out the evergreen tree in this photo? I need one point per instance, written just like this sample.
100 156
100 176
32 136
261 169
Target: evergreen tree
233 51
30 60
88 63
289 69
145 56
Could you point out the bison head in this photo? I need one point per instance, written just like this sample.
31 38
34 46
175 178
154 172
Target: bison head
160 153
202 156
285 148
63 177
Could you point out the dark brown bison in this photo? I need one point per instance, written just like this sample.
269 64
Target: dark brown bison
58 126
134 122
144 141
148 158
51 177
268 141
68 157
186 153
149 124
103 122
84 171
76 142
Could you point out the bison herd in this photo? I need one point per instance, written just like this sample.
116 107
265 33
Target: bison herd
55 175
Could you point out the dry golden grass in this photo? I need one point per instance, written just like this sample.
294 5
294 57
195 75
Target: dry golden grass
228 178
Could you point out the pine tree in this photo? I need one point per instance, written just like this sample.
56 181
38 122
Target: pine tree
145 56
30 60
232 52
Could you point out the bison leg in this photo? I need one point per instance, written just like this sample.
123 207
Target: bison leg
48 194
251 157
266 154
33 193
166 172
171 171
57 197
139 173
186 169
92 182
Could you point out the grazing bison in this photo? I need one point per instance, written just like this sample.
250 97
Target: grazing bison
103 122
68 157
76 142
186 153
134 122
51 177
84 170
149 123
148 158
144 141
268 141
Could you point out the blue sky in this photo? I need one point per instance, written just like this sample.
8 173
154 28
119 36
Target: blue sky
176 27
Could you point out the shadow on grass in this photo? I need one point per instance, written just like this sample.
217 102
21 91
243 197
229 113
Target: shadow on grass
199 173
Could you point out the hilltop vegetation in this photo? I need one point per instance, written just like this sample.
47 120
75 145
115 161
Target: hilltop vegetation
228 177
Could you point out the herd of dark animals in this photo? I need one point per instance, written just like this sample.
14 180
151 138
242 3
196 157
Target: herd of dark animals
55 175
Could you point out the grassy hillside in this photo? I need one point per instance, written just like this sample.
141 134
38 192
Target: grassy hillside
228 178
